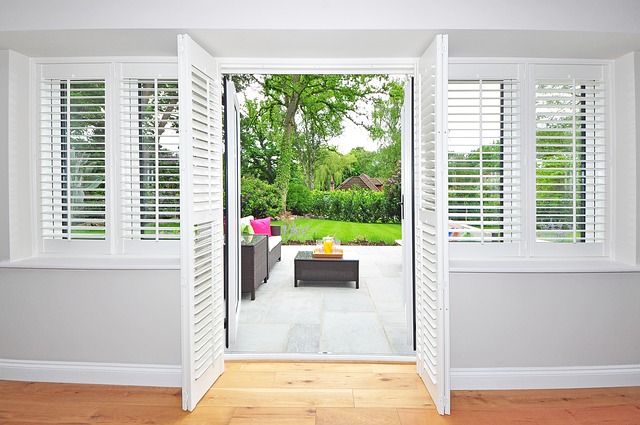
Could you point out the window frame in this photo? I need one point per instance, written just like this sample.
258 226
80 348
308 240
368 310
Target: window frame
498 71
526 71
568 70
111 70
141 71
464 132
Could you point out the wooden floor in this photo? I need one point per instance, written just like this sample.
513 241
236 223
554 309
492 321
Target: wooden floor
312 393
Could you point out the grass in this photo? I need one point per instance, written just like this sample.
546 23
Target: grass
309 230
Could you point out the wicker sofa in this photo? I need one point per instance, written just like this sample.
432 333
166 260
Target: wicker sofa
274 242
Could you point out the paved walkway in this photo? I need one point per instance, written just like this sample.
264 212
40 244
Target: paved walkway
328 317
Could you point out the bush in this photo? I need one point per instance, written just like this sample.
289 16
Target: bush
299 200
359 206
393 195
259 198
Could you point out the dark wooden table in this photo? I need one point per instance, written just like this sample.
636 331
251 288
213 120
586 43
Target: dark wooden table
308 267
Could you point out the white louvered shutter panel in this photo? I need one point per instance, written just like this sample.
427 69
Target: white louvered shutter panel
485 200
72 149
431 268
570 161
150 175
201 229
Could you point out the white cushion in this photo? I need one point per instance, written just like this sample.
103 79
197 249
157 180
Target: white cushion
246 220
274 241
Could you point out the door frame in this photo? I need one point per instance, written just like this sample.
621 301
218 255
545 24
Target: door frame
389 66
396 66
232 183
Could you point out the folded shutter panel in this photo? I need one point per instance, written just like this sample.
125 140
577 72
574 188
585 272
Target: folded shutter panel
432 264
201 230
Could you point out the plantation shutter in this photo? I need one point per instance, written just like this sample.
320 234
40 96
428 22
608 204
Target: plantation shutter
201 228
484 157
73 161
431 244
570 135
150 171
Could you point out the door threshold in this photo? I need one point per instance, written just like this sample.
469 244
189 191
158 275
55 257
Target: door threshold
320 357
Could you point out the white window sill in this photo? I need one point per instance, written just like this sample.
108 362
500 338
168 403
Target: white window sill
98 262
537 265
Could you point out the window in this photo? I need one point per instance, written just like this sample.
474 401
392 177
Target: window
109 157
73 159
150 168
484 161
527 160
570 161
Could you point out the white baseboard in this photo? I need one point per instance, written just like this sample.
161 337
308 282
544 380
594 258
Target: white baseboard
91 373
544 377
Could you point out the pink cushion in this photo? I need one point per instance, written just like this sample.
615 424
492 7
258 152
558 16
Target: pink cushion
262 226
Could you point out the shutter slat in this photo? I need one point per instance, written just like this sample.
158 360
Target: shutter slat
570 166
150 159
484 161
72 158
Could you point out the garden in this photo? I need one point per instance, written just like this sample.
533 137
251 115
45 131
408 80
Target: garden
294 158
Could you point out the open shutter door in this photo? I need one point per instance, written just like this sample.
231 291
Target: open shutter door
201 227
407 209
432 252
232 136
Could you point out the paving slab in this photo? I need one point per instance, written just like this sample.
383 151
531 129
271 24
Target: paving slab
328 316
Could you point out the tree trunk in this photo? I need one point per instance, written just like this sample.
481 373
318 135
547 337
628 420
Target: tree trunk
286 156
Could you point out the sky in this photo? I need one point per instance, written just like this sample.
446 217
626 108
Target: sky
352 137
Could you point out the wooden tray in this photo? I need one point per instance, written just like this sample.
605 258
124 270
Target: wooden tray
319 253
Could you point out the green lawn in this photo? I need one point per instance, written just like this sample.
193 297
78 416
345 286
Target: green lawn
308 229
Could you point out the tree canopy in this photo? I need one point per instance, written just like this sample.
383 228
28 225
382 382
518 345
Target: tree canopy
288 121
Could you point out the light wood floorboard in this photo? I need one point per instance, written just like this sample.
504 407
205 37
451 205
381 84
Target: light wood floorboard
316 393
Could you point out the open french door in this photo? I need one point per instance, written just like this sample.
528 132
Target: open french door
431 238
201 220
232 137
406 211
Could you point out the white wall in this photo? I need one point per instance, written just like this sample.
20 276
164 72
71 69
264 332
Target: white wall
15 164
626 117
4 155
544 320
98 316
568 15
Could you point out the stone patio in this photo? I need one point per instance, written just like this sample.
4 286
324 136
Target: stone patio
328 317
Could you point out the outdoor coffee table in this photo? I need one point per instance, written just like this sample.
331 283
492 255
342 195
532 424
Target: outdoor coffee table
308 267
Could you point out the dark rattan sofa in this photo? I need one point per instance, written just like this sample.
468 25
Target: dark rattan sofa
274 242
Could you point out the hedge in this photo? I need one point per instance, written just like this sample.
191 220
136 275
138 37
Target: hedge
360 206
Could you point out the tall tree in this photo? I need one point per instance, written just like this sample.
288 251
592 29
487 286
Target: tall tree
333 166
311 105
386 127
261 131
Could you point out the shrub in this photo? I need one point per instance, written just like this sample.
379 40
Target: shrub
259 198
393 195
299 200
360 206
